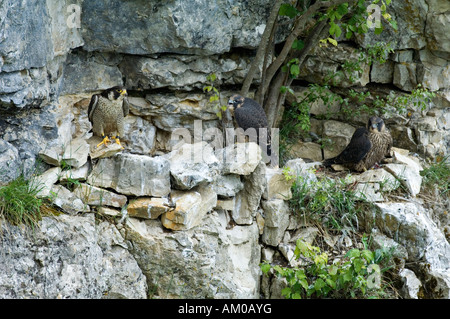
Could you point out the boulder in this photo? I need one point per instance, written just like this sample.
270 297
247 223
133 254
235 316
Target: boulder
175 27
182 71
340 134
67 201
411 284
248 199
88 72
192 165
190 208
227 185
276 221
409 223
131 174
278 185
329 59
46 181
76 153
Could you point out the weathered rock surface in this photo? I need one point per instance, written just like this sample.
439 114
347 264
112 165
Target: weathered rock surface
207 261
68 257
195 230
190 208
132 174
410 225
192 165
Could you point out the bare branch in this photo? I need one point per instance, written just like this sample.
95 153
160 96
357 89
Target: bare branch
299 26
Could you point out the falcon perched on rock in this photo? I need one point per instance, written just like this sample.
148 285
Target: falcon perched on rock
107 111
249 114
367 147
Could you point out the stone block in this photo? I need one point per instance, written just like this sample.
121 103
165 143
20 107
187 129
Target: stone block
131 174
190 208
96 196
148 207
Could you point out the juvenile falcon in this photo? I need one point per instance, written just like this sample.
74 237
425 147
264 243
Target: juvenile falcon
107 111
367 147
249 114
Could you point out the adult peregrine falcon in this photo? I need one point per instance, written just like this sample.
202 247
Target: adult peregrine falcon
367 147
249 114
106 112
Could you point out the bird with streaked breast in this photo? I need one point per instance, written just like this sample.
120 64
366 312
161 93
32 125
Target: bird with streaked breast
368 146
107 111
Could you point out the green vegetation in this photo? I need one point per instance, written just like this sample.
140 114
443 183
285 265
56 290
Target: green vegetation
357 275
438 175
329 202
19 203
214 95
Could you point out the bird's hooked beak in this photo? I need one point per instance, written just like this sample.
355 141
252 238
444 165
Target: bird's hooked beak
230 105
123 92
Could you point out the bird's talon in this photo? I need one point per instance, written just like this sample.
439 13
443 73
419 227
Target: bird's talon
118 141
105 141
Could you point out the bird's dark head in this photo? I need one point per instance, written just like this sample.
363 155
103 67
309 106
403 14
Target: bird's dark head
235 101
116 92
376 125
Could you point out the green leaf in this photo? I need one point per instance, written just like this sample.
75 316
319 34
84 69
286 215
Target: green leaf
298 44
338 31
353 253
348 35
332 41
331 283
286 292
332 270
358 264
211 77
332 29
288 10
296 296
378 30
295 70
342 9
265 267
367 255
319 284
394 24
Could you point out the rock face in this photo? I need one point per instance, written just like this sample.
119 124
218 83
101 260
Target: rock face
209 261
51 266
181 227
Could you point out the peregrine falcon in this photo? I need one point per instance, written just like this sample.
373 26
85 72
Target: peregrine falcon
249 114
106 112
367 147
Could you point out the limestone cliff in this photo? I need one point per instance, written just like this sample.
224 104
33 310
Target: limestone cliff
186 221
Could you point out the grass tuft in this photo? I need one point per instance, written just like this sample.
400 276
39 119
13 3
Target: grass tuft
19 203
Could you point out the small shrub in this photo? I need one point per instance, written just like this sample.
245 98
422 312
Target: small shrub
330 202
437 175
19 204
357 275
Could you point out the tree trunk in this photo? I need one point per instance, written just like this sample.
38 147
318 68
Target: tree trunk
261 53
